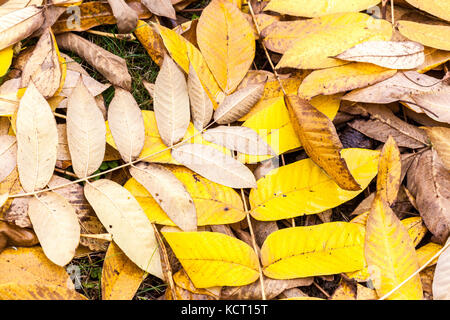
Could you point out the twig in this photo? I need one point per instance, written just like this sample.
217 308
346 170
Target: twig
100 236
321 290
120 36
66 172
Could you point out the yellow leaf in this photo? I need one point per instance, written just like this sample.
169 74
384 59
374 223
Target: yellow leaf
184 53
389 171
303 188
337 33
121 278
227 42
416 229
214 259
30 265
390 253
214 203
182 280
433 59
343 78
151 41
427 251
6 56
438 8
322 249
310 9
320 140
435 36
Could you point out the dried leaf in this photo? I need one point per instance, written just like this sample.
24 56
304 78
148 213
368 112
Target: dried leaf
236 105
109 65
86 131
162 8
19 24
429 182
319 138
169 193
126 125
122 216
56 225
37 140
171 103
441 283
214 165
8 155
430 35
241 139
433 103
151 41
201 105
439 139
14 291
126 17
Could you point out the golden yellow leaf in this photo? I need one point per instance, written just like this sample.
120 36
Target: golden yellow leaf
15 291
319 138
433 58
227 42
151 41
303 188
416 229
430 35
121 278
185 53
336 33
6 56
182 280
389 171
214 203
307 8
30 265
424 253
322 249
214 259
390 253
343 78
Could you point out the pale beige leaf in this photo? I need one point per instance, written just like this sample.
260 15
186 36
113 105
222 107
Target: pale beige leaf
162 8
150 87
126 17
43 66
19 24
37 140
168 192
112 67
86 131
241 139
388 54
434 103
126 124
171 102
441 279
8 155
122 216
439 137
56 226
8 97
63 153
201 106
238 104
214 165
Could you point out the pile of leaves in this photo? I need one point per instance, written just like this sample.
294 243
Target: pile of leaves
295 149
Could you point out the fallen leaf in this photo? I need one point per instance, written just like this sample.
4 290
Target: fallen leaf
122 216
441 283
389 172
323 249
121 278
14 291
37 140
214 165
162 8
227 43
151 41
439 140
430 35
6 56
168 192
126 17
214 259
171 103
202 107
8 155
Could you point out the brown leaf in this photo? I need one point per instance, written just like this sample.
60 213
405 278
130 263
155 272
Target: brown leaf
439 139
162 8
429 182
320 140
126 17
11 235
109 65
